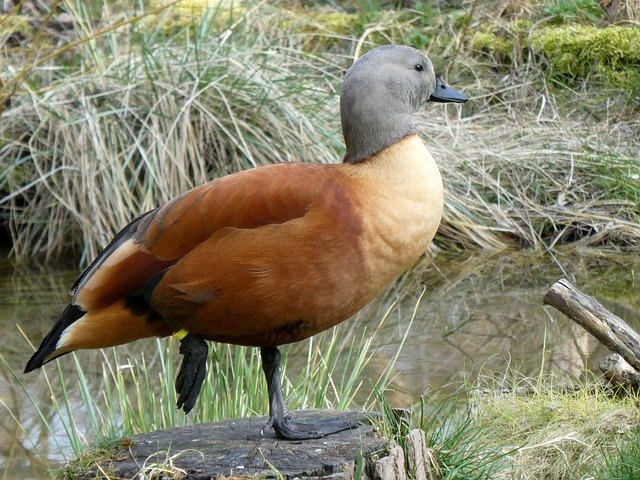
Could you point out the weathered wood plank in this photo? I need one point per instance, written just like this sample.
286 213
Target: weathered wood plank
236 448
419 458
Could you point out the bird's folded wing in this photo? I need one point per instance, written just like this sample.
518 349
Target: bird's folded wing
158 239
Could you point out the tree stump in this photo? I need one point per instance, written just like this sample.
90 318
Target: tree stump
235 448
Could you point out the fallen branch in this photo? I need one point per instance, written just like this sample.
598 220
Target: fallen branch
619 372
609 329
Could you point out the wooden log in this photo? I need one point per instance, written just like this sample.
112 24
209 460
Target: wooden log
235 448
619 372
609 329
416 453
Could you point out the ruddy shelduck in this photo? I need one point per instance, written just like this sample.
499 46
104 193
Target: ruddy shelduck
278 253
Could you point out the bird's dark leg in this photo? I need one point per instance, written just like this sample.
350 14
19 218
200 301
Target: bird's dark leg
193 348
279 417
192 370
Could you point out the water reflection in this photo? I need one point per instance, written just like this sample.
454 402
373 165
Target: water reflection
478 312
485 312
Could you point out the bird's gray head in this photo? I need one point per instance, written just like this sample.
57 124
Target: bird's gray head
380 92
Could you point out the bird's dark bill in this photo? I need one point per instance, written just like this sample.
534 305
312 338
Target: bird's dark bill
445 94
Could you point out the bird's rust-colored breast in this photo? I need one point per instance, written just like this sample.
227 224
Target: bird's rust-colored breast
403 197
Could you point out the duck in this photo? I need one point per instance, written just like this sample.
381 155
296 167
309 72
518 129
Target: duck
274 254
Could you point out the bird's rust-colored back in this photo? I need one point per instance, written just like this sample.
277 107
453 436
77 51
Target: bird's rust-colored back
246 200
263 257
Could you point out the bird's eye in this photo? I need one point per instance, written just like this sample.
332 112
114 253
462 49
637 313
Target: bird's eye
419 67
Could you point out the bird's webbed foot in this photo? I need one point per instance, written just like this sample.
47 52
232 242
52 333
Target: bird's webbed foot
192 370
288 429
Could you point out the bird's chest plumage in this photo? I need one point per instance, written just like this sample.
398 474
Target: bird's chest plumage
401 202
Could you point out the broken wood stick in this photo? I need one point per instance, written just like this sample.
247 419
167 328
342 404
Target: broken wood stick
609 329
619 372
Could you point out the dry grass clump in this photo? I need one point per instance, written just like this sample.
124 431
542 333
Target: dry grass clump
89 150
150 109
537 181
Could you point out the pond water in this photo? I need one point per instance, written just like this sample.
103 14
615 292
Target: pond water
480 312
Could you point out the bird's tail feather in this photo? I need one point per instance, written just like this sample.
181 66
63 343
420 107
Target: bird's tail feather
50 343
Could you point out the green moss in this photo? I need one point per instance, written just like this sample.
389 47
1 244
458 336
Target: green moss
83 465
607 56
339 23
501 41
611 54
15 25
489 42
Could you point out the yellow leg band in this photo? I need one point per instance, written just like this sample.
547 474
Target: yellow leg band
180 334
